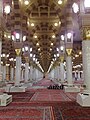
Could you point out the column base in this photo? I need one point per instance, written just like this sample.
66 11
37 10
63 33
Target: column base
18 89
0 77
83 99
5 99
71 88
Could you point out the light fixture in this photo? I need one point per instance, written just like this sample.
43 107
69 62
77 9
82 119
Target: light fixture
61 48
13 37
59 2
24 38
37 44
26 2
5 35
30 49
57 49
7 55
26 48
32 24
3 55
80 53
28 22
7 65
50 49
31 55
33 59
62 37
59 22
53 36
34 55
23 49
86 3
9 36
76 55
38 49
7 9
55 24
1 62
73 58
17 36
11 59
69 35
35 36
75 7
57 54
51 44
14 59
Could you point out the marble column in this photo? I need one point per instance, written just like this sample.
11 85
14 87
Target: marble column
69 70
7 73
31 73
86 62
62 72
79 75
0 59
12 74
18 70
75 75
4 73
22 74
26 71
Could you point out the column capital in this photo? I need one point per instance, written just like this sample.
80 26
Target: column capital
85 31
61 58
69 51
18 51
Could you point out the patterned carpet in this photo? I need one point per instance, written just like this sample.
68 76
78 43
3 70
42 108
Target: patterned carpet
44 82
25 113
44 104
50 95
71 111
22 97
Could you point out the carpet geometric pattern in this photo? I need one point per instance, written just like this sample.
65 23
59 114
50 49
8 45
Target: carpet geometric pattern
44 104
71 111
21 97
50 95
25 113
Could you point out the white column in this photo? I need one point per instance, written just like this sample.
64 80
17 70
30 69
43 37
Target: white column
18 70
22 74
7 73
12 73
75 74
69 69
62 72
4 72
26 71
0 59
78 75
31 73
86 62
58 72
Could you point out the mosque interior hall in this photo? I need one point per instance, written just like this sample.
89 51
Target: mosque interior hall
44 60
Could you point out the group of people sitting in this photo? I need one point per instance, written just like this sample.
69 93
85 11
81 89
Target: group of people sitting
56 86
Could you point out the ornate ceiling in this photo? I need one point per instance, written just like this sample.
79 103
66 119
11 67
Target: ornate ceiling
42 22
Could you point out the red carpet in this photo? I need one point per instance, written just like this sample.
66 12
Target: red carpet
44 82
71 111
50 95
41 104
25 113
